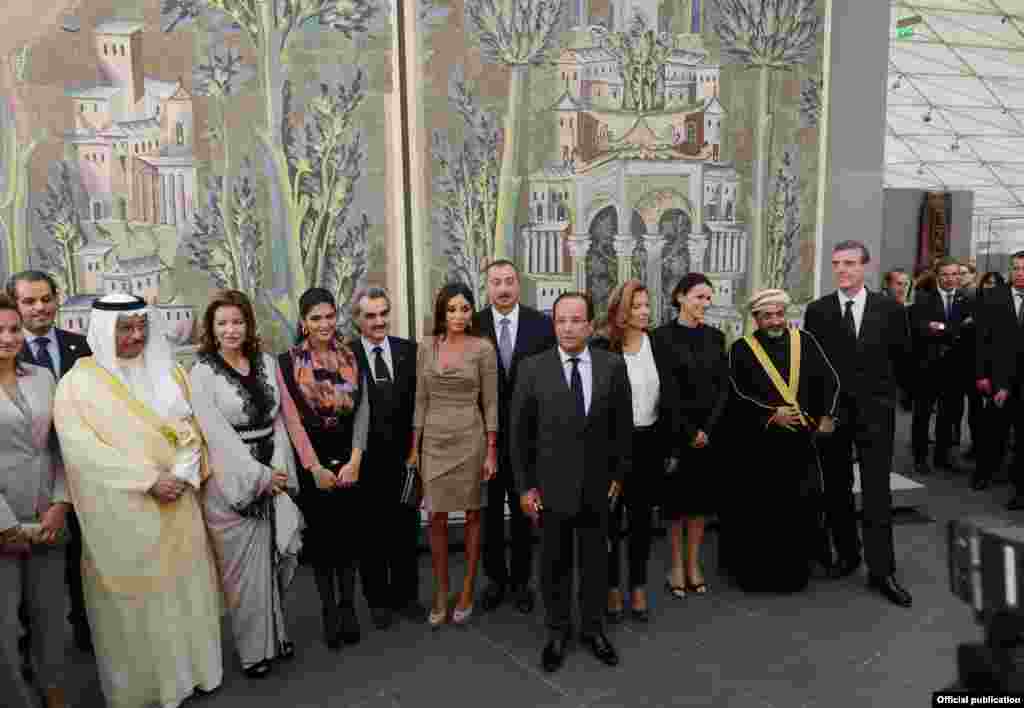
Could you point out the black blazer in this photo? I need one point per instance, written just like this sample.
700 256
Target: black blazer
571 460
72 348
701 377
876 368
535 334
999 340
395 432
670 434
927 308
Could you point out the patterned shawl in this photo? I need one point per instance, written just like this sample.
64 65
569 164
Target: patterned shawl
326 379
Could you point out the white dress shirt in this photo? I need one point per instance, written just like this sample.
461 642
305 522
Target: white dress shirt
1018 296
513 323
947 300
859 301
371 356
52 347
644 381
586 373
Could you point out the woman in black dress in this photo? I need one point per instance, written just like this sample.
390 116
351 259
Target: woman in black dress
701 373
327 415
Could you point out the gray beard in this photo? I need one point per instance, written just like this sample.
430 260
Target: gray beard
774 333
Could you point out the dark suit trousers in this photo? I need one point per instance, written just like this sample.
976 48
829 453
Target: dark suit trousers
992 449
388 564
73 572
940 387
500 489
639 490
870 426
558 559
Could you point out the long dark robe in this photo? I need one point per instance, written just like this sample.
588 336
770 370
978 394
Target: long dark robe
773 530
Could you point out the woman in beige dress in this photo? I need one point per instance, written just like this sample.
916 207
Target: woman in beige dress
456 372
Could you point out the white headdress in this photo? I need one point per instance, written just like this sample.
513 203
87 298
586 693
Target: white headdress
153 371
768 298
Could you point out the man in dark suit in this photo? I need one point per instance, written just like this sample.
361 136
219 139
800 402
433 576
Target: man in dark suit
58 350
1000 372
865 337
388 565
938 321
517 332
571 447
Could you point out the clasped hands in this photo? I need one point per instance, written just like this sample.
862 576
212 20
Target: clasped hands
347 476
19 539
790 418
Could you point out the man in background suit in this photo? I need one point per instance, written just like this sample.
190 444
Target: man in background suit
58 350
571 447
1000 374
388 565
938 320
865 337
517 332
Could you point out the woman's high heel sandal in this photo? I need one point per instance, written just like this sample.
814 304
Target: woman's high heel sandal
461 617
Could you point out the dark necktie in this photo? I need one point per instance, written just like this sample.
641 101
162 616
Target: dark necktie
43 357
949 305
577 386
505 344
380 367
848 322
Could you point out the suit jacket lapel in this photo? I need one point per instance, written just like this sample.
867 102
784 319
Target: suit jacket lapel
66 355
599 381
397 356
870 316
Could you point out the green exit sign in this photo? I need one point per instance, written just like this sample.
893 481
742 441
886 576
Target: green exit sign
904 32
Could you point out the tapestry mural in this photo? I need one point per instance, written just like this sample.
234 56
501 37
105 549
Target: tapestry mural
168 148
597 140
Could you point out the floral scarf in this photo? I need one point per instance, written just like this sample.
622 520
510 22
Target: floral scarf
327 380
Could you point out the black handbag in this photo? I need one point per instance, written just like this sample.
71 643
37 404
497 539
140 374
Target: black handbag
412 487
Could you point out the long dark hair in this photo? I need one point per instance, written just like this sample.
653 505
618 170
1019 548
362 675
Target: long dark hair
446 293
307 301
687 283
230 298
7 302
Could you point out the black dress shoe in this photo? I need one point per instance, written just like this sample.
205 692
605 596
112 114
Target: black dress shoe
259 670
922 469
525 599
890 589
494 595
553 655
83 637
614 616
381 617
1016 503
601 648
943 462
642 616
980 484
843 568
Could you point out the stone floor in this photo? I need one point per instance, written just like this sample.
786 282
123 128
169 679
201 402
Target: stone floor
836 645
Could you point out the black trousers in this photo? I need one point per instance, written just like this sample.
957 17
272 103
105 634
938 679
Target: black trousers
73 572
559 532
499 490
388 562
868 424
992 445
639 490
941 387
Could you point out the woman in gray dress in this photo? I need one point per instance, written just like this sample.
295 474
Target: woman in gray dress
33 505
253 523
456 372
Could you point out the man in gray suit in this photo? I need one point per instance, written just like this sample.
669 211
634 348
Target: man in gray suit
570 448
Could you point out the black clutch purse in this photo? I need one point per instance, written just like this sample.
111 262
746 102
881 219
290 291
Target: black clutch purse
412 487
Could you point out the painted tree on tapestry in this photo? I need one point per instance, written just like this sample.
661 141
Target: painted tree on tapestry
519 35
59 216
312 200
767 35
783 225
14 160
466 205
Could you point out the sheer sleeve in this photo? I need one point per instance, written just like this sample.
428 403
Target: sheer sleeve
361 425
284 456
293 423
240 477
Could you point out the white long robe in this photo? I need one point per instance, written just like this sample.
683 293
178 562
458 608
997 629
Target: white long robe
151 585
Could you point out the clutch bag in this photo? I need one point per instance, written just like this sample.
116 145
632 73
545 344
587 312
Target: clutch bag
412 487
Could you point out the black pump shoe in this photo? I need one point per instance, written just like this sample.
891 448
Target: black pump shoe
260 669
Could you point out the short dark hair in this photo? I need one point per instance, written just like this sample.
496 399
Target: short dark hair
578 296
994 276
30 276
946 262
502 262
895 271
852 245
446 293
230 298
687 283
1017 255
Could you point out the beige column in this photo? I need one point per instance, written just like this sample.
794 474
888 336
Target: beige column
579 245
654 244
698 246
624 245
